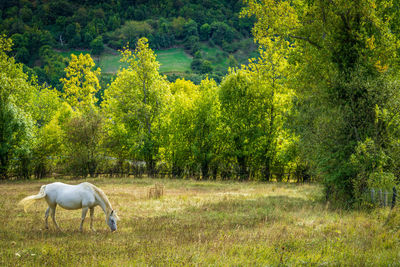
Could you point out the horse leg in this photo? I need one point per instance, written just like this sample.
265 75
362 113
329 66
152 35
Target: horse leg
46 216
84 211
53 216
91 219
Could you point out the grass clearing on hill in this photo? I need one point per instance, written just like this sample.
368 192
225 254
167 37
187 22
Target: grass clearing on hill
198 223
173 60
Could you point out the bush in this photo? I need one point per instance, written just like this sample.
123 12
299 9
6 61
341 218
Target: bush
369 164
97 45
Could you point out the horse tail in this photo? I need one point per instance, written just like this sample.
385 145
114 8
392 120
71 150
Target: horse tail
28 201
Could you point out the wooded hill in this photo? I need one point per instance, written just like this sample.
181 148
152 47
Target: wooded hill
39 27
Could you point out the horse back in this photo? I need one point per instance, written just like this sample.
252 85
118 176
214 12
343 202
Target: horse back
70 196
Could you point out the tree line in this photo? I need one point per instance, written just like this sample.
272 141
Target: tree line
321 102
145 124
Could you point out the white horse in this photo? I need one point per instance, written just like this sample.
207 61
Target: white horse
83 196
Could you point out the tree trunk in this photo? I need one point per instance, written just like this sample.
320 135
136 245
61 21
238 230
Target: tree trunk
204 170
243 174
267 170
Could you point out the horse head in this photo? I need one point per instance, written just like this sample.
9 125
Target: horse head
112 221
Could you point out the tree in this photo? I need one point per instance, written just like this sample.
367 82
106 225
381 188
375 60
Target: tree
15 130
206 113
81 82
205 31
190 29
47 146
136 99
178 127
220 31
16 127
83 133
97 45
133 30
83 130
237 122
340 52
269 74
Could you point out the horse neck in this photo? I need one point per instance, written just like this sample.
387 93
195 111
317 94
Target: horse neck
103 201
106 208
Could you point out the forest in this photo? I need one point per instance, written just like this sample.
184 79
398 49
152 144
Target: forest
320 101
40 30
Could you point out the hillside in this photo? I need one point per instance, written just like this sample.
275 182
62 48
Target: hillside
190 26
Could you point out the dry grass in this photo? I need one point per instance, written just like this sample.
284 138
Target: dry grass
199 223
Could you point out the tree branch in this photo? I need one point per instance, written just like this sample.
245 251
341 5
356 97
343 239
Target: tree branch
306 39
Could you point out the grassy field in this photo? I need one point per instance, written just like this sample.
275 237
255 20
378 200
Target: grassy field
173 60
199 223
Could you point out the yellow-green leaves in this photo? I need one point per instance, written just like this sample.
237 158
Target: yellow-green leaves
277 21
136 99
81 82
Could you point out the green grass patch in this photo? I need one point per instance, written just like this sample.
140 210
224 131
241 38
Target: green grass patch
173 60
110 63
198 223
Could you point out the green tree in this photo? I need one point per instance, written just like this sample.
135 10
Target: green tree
83 130
206 117
97 45
344 60
136 98
205 31
178 127
47 145
15 130
83 133
16 126
236 101
81 82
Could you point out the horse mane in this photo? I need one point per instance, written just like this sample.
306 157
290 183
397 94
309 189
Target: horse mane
103 196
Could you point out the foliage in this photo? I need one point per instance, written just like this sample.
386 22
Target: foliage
15 140
81 82
16 126
47 147
82 25
205 141
97 45
319 102
343 54
83 133
136 99
177 128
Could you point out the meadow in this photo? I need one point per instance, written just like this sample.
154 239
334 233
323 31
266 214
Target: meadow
173 60
199 223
